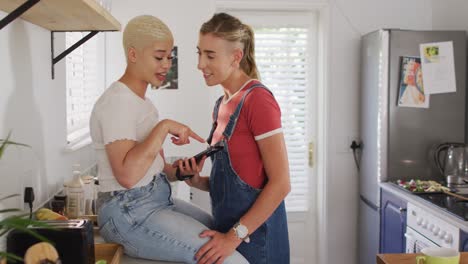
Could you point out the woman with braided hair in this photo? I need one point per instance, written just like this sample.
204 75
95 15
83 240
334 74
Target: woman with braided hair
250 176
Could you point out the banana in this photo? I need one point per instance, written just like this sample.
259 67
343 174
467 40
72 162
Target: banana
47 214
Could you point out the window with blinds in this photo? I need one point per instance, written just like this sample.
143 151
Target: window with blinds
282 58
82 87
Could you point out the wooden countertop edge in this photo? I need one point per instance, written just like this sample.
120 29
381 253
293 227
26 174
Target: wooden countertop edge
393 258
409 258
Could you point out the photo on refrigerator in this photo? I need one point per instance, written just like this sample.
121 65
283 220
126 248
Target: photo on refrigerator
411 90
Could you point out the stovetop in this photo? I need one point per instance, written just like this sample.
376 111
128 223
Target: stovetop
451 204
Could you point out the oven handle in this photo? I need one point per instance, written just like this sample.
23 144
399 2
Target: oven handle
408 236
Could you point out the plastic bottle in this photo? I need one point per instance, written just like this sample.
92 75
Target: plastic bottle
75 196
88 181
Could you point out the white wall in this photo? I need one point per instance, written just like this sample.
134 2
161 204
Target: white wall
450 15
32 106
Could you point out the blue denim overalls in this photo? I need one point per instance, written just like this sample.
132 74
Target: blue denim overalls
231 198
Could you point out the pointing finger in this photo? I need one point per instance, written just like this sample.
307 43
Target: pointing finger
197 137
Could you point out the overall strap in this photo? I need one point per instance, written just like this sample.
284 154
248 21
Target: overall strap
215 119
233 118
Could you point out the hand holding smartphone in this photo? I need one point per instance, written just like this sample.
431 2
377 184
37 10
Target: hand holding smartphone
207 152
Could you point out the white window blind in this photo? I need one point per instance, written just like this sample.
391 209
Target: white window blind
82 86
282 58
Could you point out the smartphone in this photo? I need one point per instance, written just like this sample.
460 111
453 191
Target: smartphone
207 152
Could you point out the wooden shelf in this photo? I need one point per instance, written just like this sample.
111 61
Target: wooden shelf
66 15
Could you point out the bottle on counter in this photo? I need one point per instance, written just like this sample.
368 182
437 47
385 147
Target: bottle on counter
88 181
75 196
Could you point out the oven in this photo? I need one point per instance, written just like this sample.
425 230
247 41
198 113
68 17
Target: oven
415 241
424 229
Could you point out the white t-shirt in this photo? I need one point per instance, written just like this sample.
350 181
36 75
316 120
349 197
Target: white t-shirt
121 114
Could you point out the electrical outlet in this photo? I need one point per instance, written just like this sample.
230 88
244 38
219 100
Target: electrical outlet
28 198
26 179
349 141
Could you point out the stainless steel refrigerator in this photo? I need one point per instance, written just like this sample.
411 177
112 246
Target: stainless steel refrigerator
396 140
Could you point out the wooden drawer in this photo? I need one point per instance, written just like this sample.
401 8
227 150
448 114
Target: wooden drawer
112 253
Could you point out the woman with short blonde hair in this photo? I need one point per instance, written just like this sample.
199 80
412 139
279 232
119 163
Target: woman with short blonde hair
135 205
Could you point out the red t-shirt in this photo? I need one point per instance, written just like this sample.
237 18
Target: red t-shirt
259 118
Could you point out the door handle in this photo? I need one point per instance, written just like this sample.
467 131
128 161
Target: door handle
311 154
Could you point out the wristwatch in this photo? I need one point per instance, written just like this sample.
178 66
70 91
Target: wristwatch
242 232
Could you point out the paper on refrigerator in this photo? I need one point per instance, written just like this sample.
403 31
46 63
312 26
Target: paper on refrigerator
438 67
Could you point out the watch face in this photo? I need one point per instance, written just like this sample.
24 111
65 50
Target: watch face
242 231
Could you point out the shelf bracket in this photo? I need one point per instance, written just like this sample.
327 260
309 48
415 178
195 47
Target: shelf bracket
67 51
17 12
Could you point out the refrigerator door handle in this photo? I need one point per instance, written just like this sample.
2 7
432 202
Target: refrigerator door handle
369 203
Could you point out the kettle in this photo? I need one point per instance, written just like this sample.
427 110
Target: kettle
450 159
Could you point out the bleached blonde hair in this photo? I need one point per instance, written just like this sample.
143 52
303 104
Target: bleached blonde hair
143 30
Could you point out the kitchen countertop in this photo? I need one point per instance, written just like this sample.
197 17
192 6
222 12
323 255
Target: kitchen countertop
129 260
424 204
409 258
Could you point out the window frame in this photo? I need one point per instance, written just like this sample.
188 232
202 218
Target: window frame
78 138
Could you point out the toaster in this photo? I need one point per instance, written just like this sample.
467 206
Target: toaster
73 240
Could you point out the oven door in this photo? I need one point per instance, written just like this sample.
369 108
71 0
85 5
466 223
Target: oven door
415 242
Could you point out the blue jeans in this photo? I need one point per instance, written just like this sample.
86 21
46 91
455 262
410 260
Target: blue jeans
150 224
